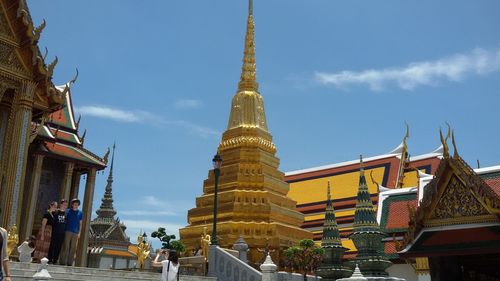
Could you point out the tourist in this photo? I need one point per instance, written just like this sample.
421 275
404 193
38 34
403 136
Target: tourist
170 266
44 235
74 219
58 230
26 249
4 258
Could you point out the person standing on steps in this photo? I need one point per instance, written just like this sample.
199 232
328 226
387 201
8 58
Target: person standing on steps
42 244
74 219
58 230
170 266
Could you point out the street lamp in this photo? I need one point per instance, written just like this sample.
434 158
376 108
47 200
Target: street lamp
217 161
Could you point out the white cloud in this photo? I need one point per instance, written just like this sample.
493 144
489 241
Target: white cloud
187 104
139 116
151 201
110 113
138 213
426 73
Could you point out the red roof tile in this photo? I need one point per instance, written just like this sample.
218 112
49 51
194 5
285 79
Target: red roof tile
72 152
399 215
390 247
494 183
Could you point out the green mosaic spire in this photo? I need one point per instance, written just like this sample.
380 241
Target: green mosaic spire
331 267
331 235
365 217
366 235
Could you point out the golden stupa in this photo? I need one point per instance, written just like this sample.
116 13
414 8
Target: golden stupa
252 194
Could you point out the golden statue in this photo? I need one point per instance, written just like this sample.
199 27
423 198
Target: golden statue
143 249
12 239
205 243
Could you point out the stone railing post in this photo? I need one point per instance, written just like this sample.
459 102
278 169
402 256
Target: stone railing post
42 273
268 269
212 261
242 247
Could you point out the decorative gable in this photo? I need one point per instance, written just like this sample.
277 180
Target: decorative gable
458 201
116 233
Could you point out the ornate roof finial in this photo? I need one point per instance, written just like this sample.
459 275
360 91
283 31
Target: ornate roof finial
72 81
407 133
78 121
248 79
405 158
82 139
455 151
444 141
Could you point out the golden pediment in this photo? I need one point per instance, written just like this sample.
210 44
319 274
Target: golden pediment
457 202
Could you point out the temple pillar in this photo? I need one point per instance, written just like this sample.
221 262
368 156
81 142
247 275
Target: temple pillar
75 184
15 167
4 118
422 269
29 217
82 252
67 180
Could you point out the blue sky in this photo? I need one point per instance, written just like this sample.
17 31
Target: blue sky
339 78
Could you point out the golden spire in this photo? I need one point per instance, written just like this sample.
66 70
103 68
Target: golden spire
247 109
248 80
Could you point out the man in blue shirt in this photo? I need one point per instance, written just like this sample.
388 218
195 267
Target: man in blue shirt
74 219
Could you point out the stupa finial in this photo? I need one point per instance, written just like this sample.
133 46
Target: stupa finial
248 79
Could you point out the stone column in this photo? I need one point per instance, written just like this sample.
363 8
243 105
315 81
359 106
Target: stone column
242 247
212 261
33 195
18 154
67 180
83 242
75 184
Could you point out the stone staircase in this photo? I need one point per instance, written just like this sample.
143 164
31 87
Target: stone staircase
24 272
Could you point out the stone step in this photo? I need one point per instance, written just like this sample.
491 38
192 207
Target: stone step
25 271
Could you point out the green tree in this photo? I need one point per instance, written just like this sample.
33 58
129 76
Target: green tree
306 257
168 241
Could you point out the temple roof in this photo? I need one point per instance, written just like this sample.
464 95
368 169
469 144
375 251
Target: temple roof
59 136
26 61
459 202
74 153
395 153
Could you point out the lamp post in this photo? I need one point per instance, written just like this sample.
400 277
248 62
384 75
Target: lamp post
217 161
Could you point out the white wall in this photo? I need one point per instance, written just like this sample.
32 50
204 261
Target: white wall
120 263
402 271
106 262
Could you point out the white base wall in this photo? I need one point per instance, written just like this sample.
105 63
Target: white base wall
403 271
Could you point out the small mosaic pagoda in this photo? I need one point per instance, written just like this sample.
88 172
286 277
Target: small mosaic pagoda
331 268
367 235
